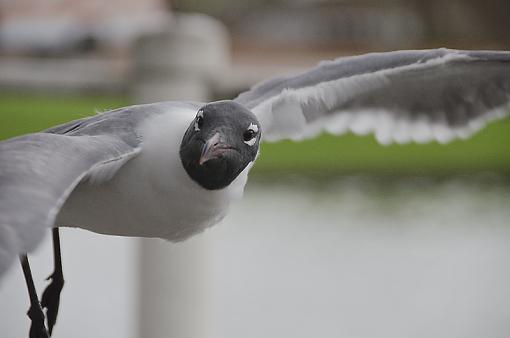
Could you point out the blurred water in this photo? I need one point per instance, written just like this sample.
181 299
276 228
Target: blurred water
364 257
355 257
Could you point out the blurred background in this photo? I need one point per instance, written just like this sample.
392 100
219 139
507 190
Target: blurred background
336 236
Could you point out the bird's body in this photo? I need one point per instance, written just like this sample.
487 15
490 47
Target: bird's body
170 170
151 195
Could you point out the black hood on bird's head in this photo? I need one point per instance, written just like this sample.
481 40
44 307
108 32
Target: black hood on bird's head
219 143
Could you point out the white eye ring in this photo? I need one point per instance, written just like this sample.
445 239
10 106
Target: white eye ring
253 128
251 142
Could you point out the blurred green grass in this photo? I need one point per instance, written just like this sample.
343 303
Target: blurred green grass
25 113
487 151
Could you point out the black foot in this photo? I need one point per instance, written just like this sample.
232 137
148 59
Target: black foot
37 329
51 298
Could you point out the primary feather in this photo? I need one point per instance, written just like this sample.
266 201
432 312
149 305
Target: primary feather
37 173
399 96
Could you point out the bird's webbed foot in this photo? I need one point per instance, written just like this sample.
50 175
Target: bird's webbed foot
51 298
37 328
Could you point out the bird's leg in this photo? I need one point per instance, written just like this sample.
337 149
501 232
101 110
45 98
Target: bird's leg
51 295
35 313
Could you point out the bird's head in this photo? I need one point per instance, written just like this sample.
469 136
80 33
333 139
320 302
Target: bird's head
220 142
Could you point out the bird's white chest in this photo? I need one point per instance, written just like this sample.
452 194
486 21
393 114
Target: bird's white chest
152 195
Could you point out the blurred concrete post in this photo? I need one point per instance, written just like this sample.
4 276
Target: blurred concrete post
180 63
177 64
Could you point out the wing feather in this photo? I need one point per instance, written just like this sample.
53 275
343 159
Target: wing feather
39 171
398 96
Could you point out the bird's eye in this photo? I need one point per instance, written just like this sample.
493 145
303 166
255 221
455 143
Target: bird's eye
248 135
199 121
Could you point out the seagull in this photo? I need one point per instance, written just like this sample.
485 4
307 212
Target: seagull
172 169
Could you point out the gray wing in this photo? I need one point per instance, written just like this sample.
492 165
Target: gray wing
39 171
398 96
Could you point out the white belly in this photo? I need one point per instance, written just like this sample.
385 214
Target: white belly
151 195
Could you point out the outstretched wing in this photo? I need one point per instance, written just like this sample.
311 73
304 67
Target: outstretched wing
39 171
399 96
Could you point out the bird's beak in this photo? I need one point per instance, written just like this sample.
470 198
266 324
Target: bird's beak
213 148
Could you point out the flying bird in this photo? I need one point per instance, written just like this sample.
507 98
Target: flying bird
171 169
